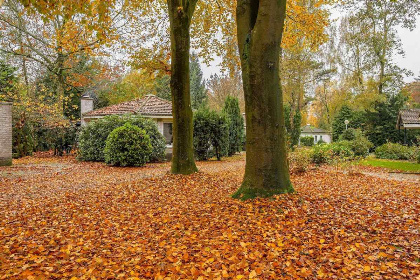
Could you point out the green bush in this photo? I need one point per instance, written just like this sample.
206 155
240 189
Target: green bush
300 160
322 154
211 134
202 134
60 139
93 136
307 141
396 151
236 124
220 136
23 141
418 156
361 146
128 145
349 134
343 149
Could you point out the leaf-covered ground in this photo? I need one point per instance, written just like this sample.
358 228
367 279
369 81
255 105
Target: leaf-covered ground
62 219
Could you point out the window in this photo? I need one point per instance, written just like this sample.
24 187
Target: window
320 137
167 133
316 138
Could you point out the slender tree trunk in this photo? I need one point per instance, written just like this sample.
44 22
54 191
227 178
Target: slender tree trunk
180 14
260 28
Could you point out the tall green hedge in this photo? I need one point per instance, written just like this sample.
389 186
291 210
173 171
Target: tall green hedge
236 124
211 134
93 136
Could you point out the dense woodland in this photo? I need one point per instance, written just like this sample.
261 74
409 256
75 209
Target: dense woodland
331 68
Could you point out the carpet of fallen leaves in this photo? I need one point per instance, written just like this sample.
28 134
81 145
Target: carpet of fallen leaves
62 219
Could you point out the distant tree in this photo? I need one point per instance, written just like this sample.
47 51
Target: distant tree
163 87
198 88
222 86
356 120
236 124
293 125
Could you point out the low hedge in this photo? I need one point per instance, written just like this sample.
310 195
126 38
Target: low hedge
307 141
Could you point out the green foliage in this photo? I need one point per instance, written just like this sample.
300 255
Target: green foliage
236 124
220 135
307 141
163 87
197 87
361 145
60 139
299 160
321 154
396 151
202 133
342 149
8 80
356 120
293 124
349 134
93 136
23 142
381 121
128 145
211 130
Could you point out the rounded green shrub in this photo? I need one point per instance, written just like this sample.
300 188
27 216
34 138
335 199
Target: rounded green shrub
92 137
342 149
128 145
299 160
322 154
396 151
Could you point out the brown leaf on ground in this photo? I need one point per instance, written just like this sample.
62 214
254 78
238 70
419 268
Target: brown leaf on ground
62 219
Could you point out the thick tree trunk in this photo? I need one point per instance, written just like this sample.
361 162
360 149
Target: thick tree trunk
180 14
260 29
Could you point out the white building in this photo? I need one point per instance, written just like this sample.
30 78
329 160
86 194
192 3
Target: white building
317 133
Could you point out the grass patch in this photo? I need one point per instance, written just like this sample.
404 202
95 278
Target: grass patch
400 165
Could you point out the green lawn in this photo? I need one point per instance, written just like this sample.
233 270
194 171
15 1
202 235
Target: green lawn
399 165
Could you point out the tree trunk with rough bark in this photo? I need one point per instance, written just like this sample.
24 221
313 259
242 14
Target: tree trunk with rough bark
260 28
180 14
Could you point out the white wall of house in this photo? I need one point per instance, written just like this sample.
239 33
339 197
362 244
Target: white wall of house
318 136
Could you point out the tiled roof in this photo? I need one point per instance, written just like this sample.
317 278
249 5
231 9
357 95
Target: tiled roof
150 105
310 129
409 117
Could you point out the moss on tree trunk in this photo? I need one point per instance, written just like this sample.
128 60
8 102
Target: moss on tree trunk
260 29
180 14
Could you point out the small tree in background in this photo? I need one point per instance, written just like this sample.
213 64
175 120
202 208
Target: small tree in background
236 124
